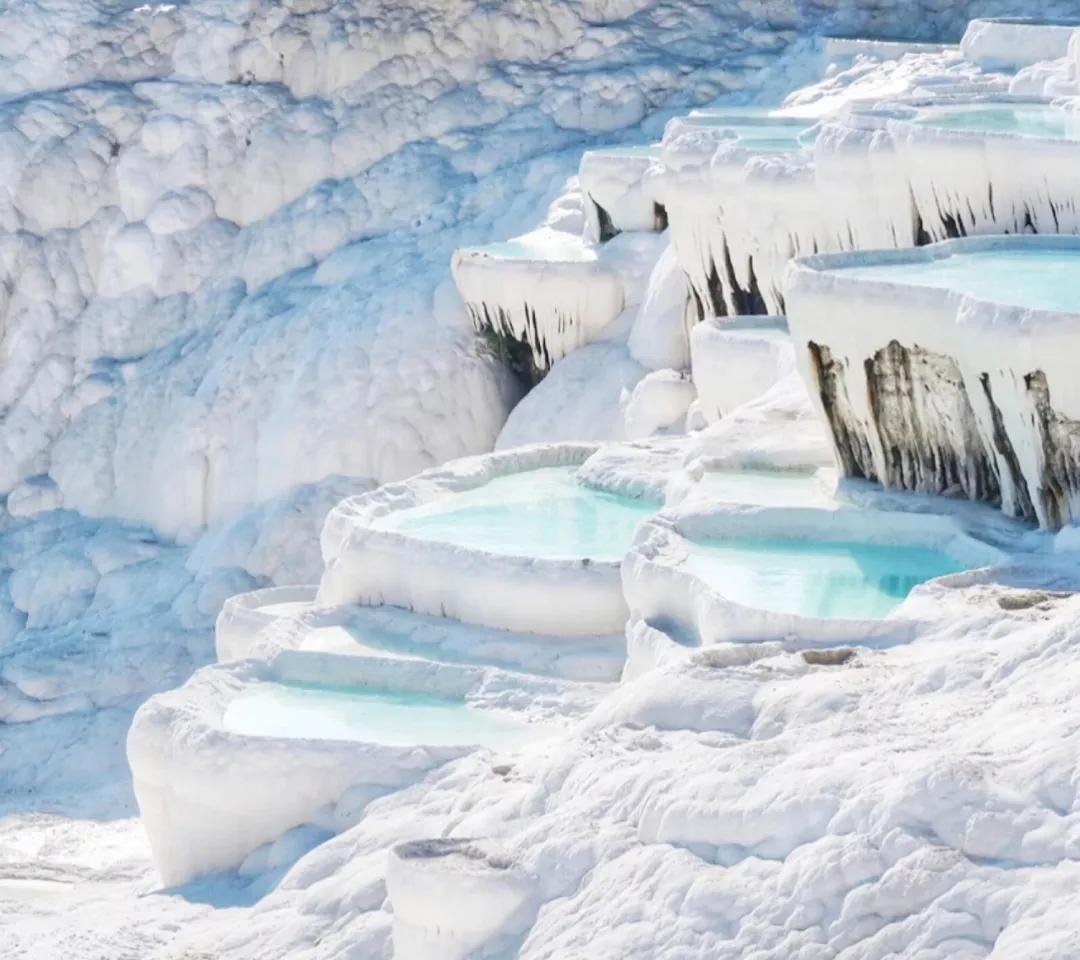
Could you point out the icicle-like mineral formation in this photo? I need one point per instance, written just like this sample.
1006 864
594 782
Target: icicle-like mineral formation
926 387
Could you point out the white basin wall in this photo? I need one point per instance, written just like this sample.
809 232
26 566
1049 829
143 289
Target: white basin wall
664 595
208 797
568 598
985 420
866 203
453 898
397 634
553 306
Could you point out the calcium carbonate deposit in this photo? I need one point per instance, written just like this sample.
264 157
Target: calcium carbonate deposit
539 479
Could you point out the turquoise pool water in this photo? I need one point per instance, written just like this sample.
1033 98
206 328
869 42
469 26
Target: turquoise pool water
393 719
542 513
1026 119
1045 279
812 579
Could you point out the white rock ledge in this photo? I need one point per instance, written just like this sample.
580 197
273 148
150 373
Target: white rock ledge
547 291
564 598
666 597
992 409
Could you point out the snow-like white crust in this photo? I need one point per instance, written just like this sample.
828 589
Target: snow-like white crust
662 591
737 359
570 598
451 897
208 797
1009 43
995 347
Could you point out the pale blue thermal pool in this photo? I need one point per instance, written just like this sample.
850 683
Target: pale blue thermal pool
300 711
848 581
1044 278
543 513
1024 119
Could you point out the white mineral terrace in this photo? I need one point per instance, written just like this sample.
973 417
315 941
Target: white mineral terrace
394 633
245 752
740 208
966 163
824 343
949 368
715 573
510 541
547 290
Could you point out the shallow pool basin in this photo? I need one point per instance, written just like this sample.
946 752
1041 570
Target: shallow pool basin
245 616
720 573
244 752
508 540
753 133
548 292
